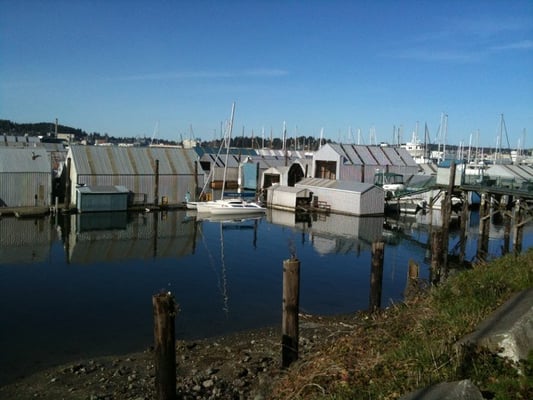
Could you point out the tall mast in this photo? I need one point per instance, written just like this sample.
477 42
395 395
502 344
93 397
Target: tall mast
227 150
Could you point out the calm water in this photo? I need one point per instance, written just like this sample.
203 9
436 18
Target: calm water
82 286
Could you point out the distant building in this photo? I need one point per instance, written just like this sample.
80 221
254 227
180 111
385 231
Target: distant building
359 163
152 175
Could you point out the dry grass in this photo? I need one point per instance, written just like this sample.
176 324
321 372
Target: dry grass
411 345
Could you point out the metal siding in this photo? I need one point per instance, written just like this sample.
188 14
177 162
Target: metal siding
369 201
20 189
350 173
22 160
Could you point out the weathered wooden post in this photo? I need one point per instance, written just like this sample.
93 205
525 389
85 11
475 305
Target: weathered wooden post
445 215
436 257
518 231
165 310
195 190
291 305
484 215
156 183
376 275
412 279
464 227
68 185
506 232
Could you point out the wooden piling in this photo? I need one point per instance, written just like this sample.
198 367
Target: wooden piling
165 310
464 227
507 216
156 183
446 207
518 231
484 227
411 285
436 257
68 185
376 275
291 304
195 189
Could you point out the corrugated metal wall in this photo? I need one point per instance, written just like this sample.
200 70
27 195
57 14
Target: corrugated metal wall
25 189
134 168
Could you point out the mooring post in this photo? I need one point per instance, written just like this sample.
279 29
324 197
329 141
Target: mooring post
436 256
445 216
464 226
195 190
518 231
376 275
506 232
68 185
412 279
156 183
291 304
165 310
484 218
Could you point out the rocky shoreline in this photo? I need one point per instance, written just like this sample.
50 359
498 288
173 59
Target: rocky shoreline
239 366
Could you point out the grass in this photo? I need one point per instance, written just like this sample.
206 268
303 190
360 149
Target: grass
412 345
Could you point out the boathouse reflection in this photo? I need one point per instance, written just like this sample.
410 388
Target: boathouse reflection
332 233
119 236
24 240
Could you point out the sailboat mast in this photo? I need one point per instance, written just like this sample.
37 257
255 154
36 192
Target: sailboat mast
227 150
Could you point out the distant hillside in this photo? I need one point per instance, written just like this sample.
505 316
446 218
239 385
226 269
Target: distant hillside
38 129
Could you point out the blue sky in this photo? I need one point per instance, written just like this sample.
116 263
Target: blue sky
132 68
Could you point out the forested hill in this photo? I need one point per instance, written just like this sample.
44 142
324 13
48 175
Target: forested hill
37 129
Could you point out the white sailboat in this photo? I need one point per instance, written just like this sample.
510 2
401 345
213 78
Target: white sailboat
228 206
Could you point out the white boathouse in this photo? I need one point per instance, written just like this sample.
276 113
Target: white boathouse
345 197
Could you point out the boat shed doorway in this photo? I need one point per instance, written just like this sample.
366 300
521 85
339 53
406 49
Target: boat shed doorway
296 173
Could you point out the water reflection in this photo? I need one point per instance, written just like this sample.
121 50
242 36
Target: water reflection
333 233
83 283
118 236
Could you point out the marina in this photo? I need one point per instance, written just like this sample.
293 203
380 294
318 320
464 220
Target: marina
83 282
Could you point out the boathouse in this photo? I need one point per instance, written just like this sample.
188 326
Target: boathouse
359 163
25 177
152 175
510 176
101 198
283 175
288 198
345 197
245 168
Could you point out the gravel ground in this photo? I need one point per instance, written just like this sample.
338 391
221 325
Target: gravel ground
240 366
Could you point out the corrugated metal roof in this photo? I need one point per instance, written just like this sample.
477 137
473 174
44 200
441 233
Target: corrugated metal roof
24 160
350 186
114 160
103 189
353 154
393 155
406 157
519 172
379 155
